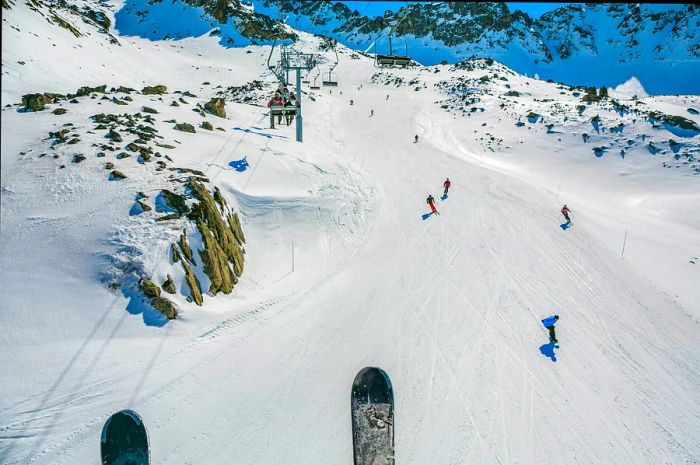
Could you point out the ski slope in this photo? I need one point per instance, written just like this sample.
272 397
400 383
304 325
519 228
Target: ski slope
448 306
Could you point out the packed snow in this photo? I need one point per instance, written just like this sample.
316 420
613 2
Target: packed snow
345 269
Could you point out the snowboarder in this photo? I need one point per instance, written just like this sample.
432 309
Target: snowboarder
446 185
431 202
565 211
549 323
415 140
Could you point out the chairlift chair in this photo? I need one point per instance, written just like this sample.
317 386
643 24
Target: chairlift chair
330 79
392 60
314 85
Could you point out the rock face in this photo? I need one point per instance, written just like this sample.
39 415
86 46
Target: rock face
222 256
216 106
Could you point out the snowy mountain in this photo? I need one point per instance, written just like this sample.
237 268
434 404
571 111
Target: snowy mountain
163 250
587 44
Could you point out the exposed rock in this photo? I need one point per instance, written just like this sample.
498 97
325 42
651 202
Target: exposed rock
149 288
114 136
174 254
207 125
154 90
215 262
185 127
193 284
149 110
144 207
109 165
216 106
59 111
165 307
86 90
207 213
185 247
175 201
169 285
117 175
77 158
235 225
36 102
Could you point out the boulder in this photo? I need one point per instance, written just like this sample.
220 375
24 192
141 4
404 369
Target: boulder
216 106
169 285
154 90
36 102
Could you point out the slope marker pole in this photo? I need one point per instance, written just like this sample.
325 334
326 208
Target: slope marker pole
292 256
623 244
557 197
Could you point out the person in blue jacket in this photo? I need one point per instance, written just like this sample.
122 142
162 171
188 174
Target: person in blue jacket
549 323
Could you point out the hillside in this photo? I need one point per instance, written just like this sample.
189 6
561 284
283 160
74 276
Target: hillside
317 259
586 44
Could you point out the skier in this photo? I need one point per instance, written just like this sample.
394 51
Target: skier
387 97
549 323
431 202
275 101
352 102
565 211
447 185
371 112
415 141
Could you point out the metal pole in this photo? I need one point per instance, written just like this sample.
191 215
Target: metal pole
292 256
299 120
623 244
390 50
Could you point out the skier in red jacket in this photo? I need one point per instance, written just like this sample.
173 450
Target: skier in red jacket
275 101
447 185
565 211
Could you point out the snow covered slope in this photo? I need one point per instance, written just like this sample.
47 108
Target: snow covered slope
343 269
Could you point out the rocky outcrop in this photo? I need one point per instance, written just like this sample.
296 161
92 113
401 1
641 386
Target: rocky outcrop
169 285
216 106
185 127
36 102
154 90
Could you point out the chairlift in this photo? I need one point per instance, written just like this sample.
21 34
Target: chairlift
314 84
392 60
331 78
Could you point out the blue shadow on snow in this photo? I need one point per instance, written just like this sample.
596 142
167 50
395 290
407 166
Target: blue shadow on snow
565 226
444 197
239 165
425 216
138 305
548 350
264 134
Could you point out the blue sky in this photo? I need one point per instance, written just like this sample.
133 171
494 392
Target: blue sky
534 9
